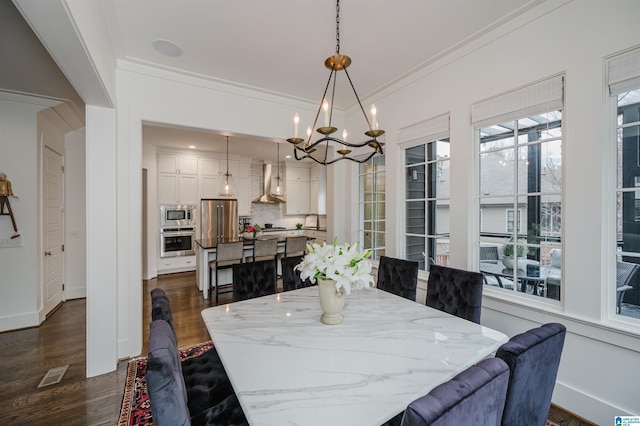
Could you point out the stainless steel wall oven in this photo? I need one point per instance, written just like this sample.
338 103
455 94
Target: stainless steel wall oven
177 241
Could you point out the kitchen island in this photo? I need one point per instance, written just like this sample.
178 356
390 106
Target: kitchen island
206 252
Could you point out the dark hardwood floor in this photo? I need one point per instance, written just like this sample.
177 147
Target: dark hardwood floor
27 355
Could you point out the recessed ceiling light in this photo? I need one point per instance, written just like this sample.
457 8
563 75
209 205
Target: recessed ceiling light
167 47
192 146
287 156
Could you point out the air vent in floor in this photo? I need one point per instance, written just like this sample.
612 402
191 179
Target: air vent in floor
53 376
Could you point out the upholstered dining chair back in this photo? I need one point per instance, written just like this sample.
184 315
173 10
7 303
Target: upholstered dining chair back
398 276
165 383
161 308
291 278
227 255
295 246
254 279
455 291
474 397
533 358
265 249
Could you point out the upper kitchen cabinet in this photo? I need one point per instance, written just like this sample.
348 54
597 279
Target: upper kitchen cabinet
178 164
177 179
297 177
211 170
318 190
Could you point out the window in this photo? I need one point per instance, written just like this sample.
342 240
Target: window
427 183
510 220
372 205
520 167
624 86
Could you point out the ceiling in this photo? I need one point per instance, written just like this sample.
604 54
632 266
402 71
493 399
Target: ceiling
280 46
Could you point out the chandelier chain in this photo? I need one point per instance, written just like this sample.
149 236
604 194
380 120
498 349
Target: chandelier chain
338 26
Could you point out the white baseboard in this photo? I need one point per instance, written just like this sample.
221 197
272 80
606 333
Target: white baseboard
586 406
16 322
75 293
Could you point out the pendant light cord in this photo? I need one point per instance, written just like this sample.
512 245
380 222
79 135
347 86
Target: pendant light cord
227 174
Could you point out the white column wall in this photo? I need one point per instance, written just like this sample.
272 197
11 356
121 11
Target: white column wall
596 377
101 240
75 216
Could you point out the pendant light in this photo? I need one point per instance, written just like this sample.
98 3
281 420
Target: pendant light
227 183
277 183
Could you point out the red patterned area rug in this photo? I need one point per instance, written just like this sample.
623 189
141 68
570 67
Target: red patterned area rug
135 402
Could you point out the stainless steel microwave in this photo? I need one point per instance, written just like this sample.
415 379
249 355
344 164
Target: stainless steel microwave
177 215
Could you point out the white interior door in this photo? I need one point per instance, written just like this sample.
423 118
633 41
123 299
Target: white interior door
53 230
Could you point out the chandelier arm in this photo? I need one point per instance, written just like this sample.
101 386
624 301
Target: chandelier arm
333 95
358 99
324 94
341 142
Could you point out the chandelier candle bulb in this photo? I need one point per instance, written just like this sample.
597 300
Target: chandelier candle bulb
296 120
325 108
374 112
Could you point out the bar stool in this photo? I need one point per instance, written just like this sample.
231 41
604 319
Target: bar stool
266 249
295 246
227 255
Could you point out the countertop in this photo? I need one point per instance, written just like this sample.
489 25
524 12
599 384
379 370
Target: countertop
213 243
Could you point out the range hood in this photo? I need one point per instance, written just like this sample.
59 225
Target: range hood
266 197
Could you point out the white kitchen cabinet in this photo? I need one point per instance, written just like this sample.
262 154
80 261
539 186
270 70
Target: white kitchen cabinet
177 179
170 265
297 179
297 197
318 190
177 189
178 164
297 173
244 196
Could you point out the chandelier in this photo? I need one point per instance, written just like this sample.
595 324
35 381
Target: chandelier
304 148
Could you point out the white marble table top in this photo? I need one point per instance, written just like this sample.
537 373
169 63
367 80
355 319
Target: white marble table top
288 368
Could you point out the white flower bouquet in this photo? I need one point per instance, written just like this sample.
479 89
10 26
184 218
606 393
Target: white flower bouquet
345 264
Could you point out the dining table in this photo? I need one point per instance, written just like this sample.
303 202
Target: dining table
288 368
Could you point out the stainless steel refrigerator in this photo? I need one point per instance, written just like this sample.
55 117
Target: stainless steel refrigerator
218 219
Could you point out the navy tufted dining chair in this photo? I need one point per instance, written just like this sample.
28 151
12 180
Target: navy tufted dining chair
533 358
254 279
398 276
165 383
455 291
474 397
161 308
290 278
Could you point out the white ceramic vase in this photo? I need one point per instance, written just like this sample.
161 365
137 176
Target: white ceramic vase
331 301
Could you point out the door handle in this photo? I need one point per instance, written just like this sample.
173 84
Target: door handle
47 253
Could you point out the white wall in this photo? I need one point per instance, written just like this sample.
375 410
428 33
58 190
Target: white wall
597 377
75 216
19 160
